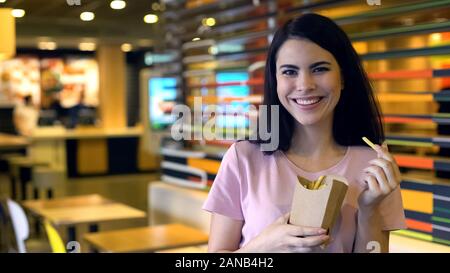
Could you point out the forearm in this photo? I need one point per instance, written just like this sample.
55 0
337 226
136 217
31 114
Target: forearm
369 230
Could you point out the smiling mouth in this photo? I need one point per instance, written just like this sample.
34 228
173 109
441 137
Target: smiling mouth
308 101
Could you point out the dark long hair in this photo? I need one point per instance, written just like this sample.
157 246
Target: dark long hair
357 113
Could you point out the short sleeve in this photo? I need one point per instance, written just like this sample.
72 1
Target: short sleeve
392 213
225 195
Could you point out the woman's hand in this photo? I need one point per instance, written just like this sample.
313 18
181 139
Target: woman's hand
283 237
382 177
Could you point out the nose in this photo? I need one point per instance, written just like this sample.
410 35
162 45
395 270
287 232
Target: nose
305 81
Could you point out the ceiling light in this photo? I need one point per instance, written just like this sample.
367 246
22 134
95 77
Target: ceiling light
126 47
118 4
18 13
87 16
213 50
47 45
87 46
2 1
150 18
436 37
209 21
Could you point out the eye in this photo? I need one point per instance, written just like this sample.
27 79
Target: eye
289 72
320 69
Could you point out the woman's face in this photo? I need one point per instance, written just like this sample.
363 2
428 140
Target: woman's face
308 81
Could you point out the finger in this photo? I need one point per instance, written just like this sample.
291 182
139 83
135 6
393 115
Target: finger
372 184
384 145
304 231
283 219
303 249
380 178
388 171
363 183
382 153
397 172
390 158
310 241
386 155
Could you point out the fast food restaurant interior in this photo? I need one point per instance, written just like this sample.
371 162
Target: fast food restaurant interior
88 162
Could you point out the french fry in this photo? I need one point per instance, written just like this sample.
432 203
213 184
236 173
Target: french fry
304 185
318 182
368 142
312 185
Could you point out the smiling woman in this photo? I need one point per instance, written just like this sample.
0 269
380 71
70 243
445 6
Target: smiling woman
326 105
324 53
308 81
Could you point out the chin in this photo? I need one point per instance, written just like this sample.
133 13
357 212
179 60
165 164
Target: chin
307 121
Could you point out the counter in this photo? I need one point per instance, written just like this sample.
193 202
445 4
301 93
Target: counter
92 151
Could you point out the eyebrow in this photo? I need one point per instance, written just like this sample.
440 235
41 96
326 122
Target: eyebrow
291 66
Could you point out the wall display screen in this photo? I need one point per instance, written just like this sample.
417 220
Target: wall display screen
19 77
69 81
162 96
229 118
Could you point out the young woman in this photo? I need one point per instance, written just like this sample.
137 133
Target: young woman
326 106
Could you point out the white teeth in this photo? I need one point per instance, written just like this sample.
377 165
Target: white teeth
307 102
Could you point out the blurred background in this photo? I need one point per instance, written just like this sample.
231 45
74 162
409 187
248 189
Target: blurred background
87 90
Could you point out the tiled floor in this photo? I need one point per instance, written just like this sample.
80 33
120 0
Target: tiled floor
127 189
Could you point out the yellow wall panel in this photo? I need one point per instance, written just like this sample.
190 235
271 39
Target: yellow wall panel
92 156
418 201
210 166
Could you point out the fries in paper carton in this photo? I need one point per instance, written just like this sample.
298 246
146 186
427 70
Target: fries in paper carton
318 203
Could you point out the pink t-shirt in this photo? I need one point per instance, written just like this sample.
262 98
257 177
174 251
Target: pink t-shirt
258 189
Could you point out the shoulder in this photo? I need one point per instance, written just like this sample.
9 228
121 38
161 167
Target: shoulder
363 152
361 155
246 146
243 152
247 150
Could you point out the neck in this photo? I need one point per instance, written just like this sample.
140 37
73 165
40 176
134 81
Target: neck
315 141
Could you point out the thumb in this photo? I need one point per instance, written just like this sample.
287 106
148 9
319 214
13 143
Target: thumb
385 146
283 219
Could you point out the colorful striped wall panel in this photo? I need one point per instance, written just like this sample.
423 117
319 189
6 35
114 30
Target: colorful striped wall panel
189 168
427 211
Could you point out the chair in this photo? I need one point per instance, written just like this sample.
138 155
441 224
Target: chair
20 170
7 240
20 224
55 240
48 179
21 230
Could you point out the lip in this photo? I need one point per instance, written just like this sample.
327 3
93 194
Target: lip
308 107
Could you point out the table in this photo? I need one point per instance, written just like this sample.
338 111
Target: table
146 239
88 209
11 142
36 206
91 214
21 169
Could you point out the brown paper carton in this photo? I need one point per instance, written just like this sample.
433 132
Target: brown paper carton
321 207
